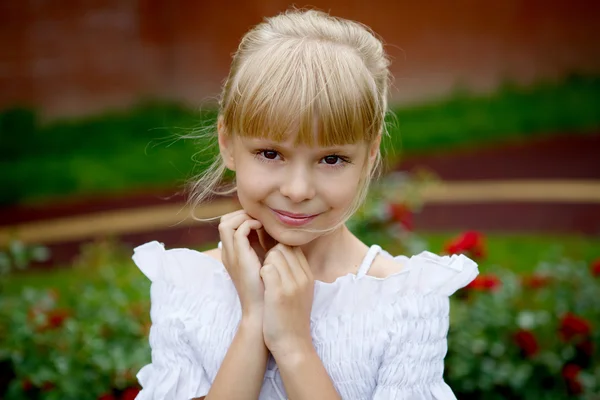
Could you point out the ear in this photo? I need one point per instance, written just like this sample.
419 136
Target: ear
374 149
225 145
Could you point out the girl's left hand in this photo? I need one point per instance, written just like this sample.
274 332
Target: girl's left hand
289 289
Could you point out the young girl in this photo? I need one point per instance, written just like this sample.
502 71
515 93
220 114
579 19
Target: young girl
291 304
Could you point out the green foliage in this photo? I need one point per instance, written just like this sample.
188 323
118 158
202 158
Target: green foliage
386 216
512 112
518 337
16 124
89 341
113 152
18 256
143 148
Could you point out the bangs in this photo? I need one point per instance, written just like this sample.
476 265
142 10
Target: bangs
319 92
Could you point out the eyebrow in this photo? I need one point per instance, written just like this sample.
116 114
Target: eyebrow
269 142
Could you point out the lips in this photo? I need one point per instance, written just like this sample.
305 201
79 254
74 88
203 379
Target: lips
293 219
293 215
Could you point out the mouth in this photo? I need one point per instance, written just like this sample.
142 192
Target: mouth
293 219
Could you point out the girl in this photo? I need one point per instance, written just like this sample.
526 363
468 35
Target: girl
291 304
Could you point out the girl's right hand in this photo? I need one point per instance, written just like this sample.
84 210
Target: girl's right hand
239 247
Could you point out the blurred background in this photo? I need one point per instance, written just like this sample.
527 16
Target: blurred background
493 152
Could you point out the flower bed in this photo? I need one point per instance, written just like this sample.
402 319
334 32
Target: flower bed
529 336
85 344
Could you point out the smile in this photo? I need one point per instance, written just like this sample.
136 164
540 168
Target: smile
293 219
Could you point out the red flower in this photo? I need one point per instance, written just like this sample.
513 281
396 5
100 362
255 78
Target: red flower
527 342
586 347
27 385
402 214
535 281
470 242
572 326
107 396
595 267
130 393
48 386
571 372
57 317
53 319
485 283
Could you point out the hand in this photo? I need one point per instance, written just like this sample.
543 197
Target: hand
242 252
289 290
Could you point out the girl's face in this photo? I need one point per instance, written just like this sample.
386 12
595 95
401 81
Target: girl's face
287 187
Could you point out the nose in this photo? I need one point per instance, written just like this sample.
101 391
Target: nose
298 185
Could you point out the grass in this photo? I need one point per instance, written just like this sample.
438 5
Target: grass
103 154
523 252
510 113
518 252
137 149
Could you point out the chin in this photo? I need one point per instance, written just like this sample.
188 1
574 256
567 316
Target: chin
290 237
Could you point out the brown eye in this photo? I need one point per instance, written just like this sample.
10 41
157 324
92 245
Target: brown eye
270 154
331 160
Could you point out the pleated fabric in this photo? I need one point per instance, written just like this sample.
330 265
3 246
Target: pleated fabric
378 338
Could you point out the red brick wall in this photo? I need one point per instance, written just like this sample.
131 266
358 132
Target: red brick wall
73 57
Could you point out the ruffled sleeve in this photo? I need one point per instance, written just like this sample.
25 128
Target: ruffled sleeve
446 274
417 325
175 373
428 273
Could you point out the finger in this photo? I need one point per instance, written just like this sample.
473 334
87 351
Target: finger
274 255
228 216
241 242
288 281
232 222
270 277
303 263
293 262
227 228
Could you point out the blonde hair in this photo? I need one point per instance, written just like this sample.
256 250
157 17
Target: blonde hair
303 72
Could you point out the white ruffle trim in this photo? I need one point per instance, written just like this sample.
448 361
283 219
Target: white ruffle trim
422 274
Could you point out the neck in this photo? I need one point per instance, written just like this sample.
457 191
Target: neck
334 254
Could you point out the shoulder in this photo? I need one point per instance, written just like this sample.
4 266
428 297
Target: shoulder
383 266
214 253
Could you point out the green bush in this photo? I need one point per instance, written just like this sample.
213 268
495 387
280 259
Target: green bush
529 336
87 343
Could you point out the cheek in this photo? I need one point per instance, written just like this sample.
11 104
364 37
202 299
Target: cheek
341 192
251 183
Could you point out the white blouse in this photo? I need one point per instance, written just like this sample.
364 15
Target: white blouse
378 338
